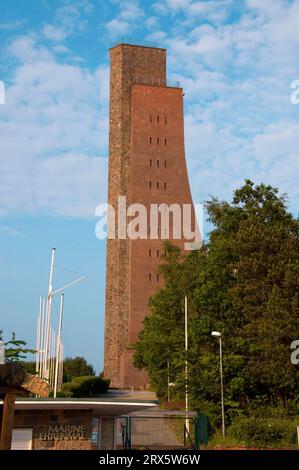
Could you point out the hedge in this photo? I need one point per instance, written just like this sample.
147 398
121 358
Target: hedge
86 386
264 432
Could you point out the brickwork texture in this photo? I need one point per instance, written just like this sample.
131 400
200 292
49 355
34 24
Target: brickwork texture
147 165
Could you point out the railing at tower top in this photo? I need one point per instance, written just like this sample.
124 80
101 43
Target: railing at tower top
140 43
156 82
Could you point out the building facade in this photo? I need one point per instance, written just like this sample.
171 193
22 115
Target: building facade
72 424
146 166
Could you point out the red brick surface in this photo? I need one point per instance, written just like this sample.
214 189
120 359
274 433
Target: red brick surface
146 164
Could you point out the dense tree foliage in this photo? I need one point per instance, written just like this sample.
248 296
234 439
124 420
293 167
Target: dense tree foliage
29 367
14 349
245 283
76 367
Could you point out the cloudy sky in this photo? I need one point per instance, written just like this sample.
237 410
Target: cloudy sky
236 61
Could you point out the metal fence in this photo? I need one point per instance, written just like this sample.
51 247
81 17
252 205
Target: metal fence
130 42
159 432
156 82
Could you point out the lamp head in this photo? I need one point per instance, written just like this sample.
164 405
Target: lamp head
216 334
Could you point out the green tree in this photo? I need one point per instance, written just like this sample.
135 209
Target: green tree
244 282
14 350
29 367
76 367
162 338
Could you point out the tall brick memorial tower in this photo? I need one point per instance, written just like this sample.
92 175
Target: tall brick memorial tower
147 165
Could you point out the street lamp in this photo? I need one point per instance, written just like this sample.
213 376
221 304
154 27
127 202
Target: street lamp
217 334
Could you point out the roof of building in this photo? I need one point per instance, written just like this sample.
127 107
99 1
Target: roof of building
109 406
150 45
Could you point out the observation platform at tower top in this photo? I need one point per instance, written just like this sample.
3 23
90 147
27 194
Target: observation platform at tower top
142 81
150 45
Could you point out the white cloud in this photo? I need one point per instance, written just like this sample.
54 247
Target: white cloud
159 8
53 33
12 25
126 20
238 117
178 4
239 120
68 19
57 49
212 10
9 231
53 134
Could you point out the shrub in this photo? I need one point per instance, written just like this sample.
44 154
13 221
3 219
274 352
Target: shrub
59 394
11 374
99 385
264 432
86 386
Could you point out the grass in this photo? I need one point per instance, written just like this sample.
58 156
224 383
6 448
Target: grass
217 440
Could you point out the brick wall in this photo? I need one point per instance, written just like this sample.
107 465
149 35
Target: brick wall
128 63
146 164
40 420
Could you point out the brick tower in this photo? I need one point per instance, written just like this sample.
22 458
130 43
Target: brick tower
147 165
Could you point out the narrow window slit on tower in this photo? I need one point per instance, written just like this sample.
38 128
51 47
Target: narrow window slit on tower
158 140
158 162
164 185
158 277
165 163
150 253
150 140
158 253
150 184
158 118
157 184
150 277
165 141
151 118
150 162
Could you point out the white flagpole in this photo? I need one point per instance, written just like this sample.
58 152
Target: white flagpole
186 365
60 366
37 342
52 357
40 335
58 344
42 340
49 309
45 334
49 356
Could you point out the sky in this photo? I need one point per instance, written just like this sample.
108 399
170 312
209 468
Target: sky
236 61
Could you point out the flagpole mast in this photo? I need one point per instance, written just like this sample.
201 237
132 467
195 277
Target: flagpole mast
38 325
58 344
49 309
186 366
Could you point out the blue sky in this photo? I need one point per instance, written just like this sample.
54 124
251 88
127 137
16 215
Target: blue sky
236 61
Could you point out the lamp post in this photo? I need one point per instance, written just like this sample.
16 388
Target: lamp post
217 334
168 377
186 368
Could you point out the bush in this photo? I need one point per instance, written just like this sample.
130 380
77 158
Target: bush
11 374
86 386
264 432
58 394
99 385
